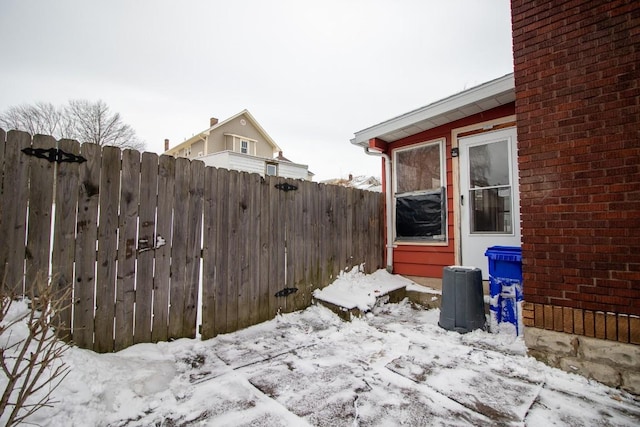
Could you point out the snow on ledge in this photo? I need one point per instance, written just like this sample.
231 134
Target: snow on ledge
354 289
414 287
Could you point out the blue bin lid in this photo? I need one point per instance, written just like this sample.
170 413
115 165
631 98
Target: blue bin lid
504 253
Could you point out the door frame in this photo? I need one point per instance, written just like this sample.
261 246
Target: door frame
456 134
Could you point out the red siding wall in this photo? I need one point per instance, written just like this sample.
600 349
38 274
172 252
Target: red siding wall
425 260
577 73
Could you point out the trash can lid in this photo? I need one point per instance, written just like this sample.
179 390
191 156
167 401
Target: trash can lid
461 267
504 253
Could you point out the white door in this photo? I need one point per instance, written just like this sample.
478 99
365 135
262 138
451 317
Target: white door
489 197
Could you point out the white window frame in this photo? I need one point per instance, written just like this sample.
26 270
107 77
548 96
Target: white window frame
441 142
275 168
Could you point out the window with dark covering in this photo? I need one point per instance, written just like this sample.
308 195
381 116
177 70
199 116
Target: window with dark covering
420 207
421 217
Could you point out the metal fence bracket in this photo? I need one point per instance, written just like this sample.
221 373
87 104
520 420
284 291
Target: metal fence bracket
286 187
286 291
53 155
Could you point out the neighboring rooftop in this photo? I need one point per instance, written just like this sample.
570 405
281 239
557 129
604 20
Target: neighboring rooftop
213 124
362 182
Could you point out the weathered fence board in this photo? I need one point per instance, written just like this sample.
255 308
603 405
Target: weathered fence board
209 236
350 223
14 202
253 246
86 239
233 260
313 254
3 138
287 222
128 236
297 252
375 230
276 250
146 247
321 219
194 245
107 249
342 230
243 242
137 236
179 248
262 281
39 219
162 278
64 234
220 282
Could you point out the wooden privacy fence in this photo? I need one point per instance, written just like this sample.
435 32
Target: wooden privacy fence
145 242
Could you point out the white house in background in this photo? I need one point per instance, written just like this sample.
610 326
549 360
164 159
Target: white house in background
239 143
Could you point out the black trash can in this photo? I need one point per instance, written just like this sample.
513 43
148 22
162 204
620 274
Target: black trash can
462 307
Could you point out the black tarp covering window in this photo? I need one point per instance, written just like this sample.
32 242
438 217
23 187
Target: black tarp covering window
421 216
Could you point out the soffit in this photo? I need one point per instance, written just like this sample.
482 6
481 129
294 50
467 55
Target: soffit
481 98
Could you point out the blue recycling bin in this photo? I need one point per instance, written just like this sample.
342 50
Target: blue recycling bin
505 287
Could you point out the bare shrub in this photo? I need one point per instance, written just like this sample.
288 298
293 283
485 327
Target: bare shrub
30 351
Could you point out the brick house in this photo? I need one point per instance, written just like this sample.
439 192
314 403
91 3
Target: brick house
569 119
577 79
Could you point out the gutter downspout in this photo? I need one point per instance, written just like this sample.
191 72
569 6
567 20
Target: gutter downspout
387 205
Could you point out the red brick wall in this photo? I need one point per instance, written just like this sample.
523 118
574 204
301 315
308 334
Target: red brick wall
577 72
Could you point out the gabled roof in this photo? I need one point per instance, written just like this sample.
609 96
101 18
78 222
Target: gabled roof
205 133
480 98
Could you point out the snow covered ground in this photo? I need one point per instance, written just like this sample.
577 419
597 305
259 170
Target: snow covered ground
393 367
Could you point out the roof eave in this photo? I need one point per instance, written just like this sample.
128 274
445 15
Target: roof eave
492 89
261 130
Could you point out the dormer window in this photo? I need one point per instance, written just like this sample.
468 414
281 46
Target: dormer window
240 144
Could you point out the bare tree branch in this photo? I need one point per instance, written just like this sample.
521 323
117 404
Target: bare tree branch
80 119
33 364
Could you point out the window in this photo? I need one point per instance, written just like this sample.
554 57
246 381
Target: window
187 152
272 169
490 188
420 209
240 144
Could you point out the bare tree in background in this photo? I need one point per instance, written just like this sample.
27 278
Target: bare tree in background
81 120
41 117
94 122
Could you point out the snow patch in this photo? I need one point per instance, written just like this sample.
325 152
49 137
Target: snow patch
397 367
354 289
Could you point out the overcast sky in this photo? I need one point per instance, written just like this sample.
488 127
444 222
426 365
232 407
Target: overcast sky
311 72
